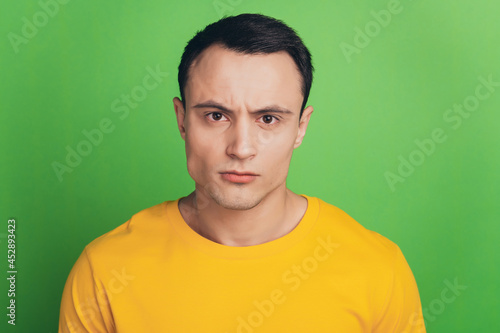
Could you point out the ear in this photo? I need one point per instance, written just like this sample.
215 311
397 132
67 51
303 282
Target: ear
180 113
304 121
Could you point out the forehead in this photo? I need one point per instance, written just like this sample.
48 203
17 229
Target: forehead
236 79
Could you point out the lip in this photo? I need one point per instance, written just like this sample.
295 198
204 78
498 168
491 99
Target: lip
240 177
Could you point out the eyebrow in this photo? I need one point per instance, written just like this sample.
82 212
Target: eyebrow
267 109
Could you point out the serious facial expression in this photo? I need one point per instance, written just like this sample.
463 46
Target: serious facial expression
241 124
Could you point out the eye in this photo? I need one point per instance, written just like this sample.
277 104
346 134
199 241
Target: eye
269 120
215 116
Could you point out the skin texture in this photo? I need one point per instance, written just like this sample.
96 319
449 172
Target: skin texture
242 114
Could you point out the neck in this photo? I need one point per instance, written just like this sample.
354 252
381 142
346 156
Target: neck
274 216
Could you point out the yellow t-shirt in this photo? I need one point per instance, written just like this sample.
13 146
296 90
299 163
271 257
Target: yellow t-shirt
155 274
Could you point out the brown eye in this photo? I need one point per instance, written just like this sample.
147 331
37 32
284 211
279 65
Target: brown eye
216 116
267 119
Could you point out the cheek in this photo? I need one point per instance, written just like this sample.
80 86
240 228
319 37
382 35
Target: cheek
278 153
200 152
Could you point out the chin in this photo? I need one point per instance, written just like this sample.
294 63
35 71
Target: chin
235 201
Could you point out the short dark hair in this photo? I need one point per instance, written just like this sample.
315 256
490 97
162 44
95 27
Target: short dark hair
250 34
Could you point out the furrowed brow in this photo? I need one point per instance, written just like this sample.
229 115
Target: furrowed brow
211 105
267 109
273 109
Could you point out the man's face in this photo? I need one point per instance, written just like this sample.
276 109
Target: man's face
241 124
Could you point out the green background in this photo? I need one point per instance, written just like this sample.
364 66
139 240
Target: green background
370 108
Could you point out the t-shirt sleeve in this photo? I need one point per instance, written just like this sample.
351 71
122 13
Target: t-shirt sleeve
84 305
402 312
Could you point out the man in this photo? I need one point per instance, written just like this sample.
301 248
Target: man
242 253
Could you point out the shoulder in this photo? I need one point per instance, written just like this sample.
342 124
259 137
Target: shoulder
133 237
374 262
359 240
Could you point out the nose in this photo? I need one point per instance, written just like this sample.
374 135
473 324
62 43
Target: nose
241 140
